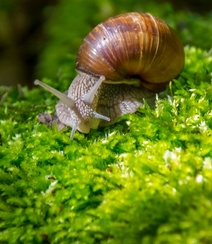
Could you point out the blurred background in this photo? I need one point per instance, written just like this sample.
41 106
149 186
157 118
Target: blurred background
40 38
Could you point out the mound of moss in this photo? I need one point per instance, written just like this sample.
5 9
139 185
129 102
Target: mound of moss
146 179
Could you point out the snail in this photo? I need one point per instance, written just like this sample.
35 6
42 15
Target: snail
127 58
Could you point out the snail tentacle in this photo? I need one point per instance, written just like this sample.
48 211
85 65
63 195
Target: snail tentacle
89 96
67 100
100 116
74 128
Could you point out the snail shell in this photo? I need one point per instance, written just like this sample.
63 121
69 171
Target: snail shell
122 61
132 44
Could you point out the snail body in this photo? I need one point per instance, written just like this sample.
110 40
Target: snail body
122 61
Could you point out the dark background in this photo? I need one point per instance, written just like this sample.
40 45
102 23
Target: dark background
26 28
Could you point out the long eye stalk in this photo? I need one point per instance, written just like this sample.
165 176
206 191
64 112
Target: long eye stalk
89 96
65 99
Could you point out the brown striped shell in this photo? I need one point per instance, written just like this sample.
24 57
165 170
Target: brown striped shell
121 62
132 45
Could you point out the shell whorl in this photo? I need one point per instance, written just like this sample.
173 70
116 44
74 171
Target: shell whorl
132 44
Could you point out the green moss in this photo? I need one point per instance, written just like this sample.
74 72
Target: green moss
146 179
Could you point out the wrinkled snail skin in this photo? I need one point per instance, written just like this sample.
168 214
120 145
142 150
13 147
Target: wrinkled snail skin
122 61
